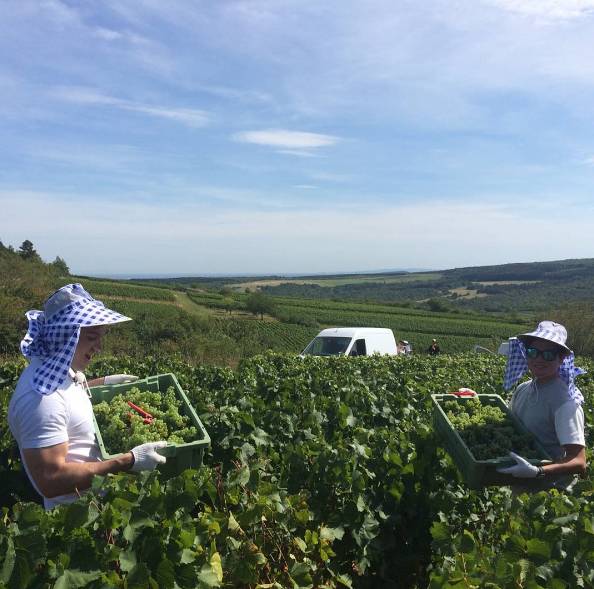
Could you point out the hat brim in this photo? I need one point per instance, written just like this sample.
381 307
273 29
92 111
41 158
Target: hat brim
89 314
117 318
104 316
524 336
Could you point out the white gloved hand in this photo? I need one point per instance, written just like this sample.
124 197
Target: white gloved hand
522 469
146 456
119 378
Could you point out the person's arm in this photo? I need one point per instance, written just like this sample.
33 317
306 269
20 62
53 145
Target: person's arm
573 463
54 476
96 382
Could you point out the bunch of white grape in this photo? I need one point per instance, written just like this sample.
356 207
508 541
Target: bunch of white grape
122 427
487 431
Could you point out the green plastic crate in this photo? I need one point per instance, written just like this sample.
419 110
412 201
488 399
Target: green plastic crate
480 473
179 456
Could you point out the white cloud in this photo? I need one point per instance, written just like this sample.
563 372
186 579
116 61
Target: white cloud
549 9
59 13
243 95
82 156
288 139
107 34
87 96
331 177
589 161
298 152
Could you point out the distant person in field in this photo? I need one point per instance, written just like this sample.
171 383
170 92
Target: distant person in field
549 405
404 347
50 413
433 349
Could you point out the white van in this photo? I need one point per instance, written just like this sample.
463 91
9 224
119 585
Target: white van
352 341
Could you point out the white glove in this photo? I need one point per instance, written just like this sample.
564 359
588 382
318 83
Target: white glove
119 378
146 456
522 470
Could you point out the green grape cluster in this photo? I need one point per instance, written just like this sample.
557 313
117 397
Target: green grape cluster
487 430
122 427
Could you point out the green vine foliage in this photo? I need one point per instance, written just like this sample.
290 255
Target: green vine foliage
323 472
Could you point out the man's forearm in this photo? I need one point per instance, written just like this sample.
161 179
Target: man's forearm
71 476
574 465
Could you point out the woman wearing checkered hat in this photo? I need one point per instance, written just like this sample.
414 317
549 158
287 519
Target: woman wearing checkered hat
50 413
549 405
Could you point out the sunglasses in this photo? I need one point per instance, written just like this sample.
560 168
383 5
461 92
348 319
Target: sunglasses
548 355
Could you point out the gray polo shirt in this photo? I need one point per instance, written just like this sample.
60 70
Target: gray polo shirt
550 414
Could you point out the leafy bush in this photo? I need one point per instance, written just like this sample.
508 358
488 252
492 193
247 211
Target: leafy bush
323 472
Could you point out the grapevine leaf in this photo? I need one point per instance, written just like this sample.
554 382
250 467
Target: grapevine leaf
9 561
208 577
467 542
232 524
544 571
558 584
74 579
344 580
566 519
240 476
303 516
300 574
127 560
165 574
300 543
331 533
360 504
77 514
538 548
440 532
138 577
22 573
523 568
188 556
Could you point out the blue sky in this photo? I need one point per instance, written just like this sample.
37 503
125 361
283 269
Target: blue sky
271 136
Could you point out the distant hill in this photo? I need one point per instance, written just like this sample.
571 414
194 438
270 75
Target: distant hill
520 287
525 287
187 317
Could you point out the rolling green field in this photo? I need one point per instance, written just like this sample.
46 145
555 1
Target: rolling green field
104 288
339 281
456 332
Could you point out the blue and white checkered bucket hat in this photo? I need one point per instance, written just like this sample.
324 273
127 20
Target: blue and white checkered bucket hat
549 331
53 333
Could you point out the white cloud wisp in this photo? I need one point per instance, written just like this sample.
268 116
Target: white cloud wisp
86 96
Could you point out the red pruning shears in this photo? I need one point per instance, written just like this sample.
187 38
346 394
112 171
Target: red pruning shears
464 392
148 418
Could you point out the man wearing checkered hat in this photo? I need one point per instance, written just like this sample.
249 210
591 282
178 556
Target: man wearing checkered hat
50 413
549 405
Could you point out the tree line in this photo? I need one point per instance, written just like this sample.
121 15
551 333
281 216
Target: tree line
25 282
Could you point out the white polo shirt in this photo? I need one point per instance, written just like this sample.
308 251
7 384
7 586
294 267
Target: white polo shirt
39 421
